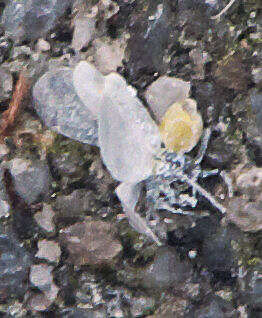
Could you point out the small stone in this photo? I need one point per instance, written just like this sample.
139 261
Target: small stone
39 302
128 136
4 151
42 301
42 45
84 31
60 108
181 126
246 215
32 180
31 19
49 250
74 204
91 243
89 84
217 252
41 276
164 92
14 264
6 84
45 217
108 55
167 270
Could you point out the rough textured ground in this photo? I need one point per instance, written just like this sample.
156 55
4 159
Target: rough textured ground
66 249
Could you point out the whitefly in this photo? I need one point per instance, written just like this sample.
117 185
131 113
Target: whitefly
131 148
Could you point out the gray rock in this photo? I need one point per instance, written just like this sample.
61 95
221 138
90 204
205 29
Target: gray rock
6 84
41 276
84 31
32 180
164 92
166 271
49 250
44 219
91 243
31 19
14 265
217 251
59 107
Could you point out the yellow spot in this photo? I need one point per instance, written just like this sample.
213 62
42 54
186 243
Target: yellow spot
181 126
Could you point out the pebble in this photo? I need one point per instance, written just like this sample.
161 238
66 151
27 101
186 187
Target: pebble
14 264
84 31
165 91
217 252
63 110
167 270
6 84
45 218
49 250
91 243
245 214
42 45
32 179
41 276
31 19
74 204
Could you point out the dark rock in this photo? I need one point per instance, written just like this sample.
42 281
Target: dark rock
63 110
233 73
256 102
167 270
252 294
219 154
32 180
217 252
31 19
91 243
214 307
150 35
14 265
74 204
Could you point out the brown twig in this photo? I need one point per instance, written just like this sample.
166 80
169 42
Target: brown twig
9 116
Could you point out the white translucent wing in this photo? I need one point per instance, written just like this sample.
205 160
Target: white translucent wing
128 137
128 194
89 85
61 109
164 92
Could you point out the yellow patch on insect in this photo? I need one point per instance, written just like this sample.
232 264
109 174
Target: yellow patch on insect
181 126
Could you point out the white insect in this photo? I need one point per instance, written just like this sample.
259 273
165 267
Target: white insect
130 141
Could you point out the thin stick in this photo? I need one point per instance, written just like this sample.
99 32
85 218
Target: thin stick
203 192
9 116
224 10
